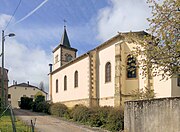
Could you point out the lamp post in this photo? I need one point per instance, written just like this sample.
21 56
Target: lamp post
2 68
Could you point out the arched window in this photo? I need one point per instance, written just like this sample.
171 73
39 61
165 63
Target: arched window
108 72
131 67
56 85
65 83
76 79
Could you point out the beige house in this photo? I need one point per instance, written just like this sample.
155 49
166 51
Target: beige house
100 76
16 91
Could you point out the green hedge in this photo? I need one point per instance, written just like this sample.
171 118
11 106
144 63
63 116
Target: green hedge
26 103
106 117
99 116
115 120
59 109
81 113
40 105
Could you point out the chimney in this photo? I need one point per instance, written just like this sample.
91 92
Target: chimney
28 83
50 68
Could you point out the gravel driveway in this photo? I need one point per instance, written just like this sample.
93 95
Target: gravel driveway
47 123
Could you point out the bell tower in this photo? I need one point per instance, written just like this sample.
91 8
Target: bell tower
63 53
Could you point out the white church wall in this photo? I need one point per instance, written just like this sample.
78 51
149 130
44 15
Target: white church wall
72 93
162 88
106 89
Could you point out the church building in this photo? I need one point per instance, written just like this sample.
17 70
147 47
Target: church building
101 77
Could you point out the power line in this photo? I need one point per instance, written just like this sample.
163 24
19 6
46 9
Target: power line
13 14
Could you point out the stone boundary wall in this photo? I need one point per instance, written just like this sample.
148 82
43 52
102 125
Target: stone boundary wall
153 115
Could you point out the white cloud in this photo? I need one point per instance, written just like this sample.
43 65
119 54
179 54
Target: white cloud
26 64
4 19
38 35
122 16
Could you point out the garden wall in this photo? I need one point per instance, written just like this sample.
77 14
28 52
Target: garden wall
154 115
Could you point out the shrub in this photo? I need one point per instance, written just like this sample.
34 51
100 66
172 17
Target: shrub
95 120
99 116
115 121
46 107
39 98
38 94
0 105
34 106
81 113
143 93
37 105
26 103
59 109
107 117
42 107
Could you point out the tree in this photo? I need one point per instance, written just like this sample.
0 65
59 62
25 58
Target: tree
38 94
165 25
159 52
41 85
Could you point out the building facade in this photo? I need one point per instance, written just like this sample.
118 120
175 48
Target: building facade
16 91
101 77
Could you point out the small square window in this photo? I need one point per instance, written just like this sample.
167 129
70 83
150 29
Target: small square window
56 58
178 81
9 96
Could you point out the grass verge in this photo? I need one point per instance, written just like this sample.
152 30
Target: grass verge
6 125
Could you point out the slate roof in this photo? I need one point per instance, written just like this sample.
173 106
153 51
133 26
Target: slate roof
65 40
26 85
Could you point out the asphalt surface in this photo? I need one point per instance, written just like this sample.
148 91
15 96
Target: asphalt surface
47 123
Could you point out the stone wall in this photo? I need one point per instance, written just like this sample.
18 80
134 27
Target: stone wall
155 115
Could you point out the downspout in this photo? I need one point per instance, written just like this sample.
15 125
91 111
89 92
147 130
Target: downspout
120 79
97 77
50 81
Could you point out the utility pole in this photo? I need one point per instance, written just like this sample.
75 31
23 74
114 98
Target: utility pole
3 102
2 72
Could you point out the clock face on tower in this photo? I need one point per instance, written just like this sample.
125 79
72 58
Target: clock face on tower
68 57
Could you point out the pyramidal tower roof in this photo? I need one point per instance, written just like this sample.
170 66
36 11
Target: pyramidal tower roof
65 40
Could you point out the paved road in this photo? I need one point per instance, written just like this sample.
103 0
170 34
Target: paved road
46 123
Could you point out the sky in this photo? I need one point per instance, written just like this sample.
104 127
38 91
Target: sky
38 25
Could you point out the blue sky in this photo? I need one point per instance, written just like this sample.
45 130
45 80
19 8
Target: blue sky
38 25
